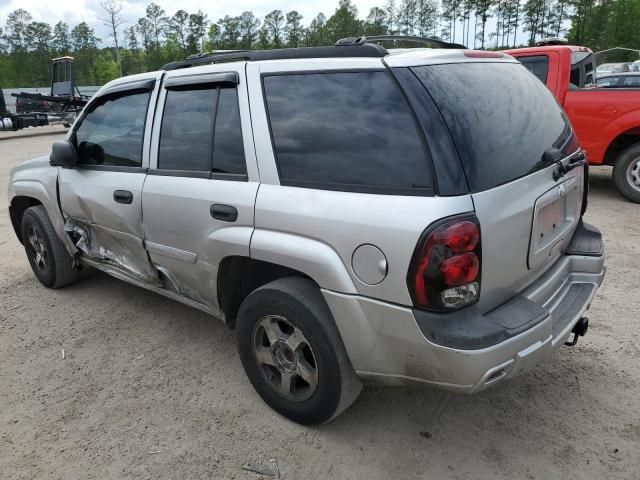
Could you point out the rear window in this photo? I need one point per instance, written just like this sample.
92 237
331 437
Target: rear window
350 131
501 117
538 65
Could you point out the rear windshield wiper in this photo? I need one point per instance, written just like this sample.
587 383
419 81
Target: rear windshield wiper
562 170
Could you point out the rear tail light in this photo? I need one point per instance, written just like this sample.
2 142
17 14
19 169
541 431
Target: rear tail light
445 269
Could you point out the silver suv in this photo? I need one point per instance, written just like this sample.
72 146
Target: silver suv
357 214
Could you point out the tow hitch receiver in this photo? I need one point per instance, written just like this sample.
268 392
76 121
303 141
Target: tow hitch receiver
579 330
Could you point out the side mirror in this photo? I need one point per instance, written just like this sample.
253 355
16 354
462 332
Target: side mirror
63 154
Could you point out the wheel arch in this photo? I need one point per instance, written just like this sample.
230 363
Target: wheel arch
620 143
238 276
19 204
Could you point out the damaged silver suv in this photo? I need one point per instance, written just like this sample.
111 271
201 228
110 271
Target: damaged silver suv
356 214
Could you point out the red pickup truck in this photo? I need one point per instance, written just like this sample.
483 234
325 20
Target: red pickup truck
607 121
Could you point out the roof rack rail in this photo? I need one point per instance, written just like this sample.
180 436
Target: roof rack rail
346 50
438 42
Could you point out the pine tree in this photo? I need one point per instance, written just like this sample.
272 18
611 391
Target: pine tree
293 29
375 22
344 22
274 25
179 25
249 26
197 28
61 42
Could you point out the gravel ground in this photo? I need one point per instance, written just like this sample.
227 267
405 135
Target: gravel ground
150 388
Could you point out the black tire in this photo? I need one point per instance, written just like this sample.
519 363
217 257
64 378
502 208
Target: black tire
49 260
626 173
299 301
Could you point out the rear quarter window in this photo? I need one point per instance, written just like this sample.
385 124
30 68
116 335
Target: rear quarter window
350 131
501 117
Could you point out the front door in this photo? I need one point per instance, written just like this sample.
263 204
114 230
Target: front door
198 198
101 196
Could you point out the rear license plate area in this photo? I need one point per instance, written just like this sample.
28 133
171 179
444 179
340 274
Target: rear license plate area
555 214
551 218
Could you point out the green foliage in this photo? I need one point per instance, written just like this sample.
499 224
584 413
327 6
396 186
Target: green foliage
604 24
26 46
105 68
274 25
344 22
293 29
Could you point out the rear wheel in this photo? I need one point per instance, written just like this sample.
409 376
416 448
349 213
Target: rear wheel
626 173
49 260
292 352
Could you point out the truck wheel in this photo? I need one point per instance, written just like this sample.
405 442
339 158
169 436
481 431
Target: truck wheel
49 260
292 352
626 173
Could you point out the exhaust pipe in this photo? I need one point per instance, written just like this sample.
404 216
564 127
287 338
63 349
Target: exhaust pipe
579 330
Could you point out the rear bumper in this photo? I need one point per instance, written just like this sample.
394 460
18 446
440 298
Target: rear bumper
390 344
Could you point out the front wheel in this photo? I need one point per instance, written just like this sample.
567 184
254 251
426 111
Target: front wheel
49 260
626 173
292 352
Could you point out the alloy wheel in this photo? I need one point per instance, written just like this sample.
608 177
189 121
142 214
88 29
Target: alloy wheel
285 358
37 248
633 174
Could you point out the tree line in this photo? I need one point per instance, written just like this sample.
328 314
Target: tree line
26 46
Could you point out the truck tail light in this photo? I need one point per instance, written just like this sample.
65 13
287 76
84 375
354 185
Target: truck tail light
445 269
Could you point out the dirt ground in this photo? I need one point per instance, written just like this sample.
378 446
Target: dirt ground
153 389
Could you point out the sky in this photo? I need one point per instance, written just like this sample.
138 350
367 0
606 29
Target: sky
76 11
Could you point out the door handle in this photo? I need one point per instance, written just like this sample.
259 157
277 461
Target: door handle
123 196
226 213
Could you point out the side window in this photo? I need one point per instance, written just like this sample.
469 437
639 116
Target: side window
581 70
112 131
538 65
186 133
350 131
574 77
632 81
228 151
201 131
607 82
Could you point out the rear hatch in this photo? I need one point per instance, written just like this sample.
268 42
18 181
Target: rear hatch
511 136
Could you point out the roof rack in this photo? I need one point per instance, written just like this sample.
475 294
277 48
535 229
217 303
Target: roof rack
345 47
351 50
435 41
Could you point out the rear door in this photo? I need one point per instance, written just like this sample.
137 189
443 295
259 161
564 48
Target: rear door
101 196
510 132
198 198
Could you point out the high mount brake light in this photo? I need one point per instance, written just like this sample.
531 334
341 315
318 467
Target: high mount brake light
482 54
445 269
